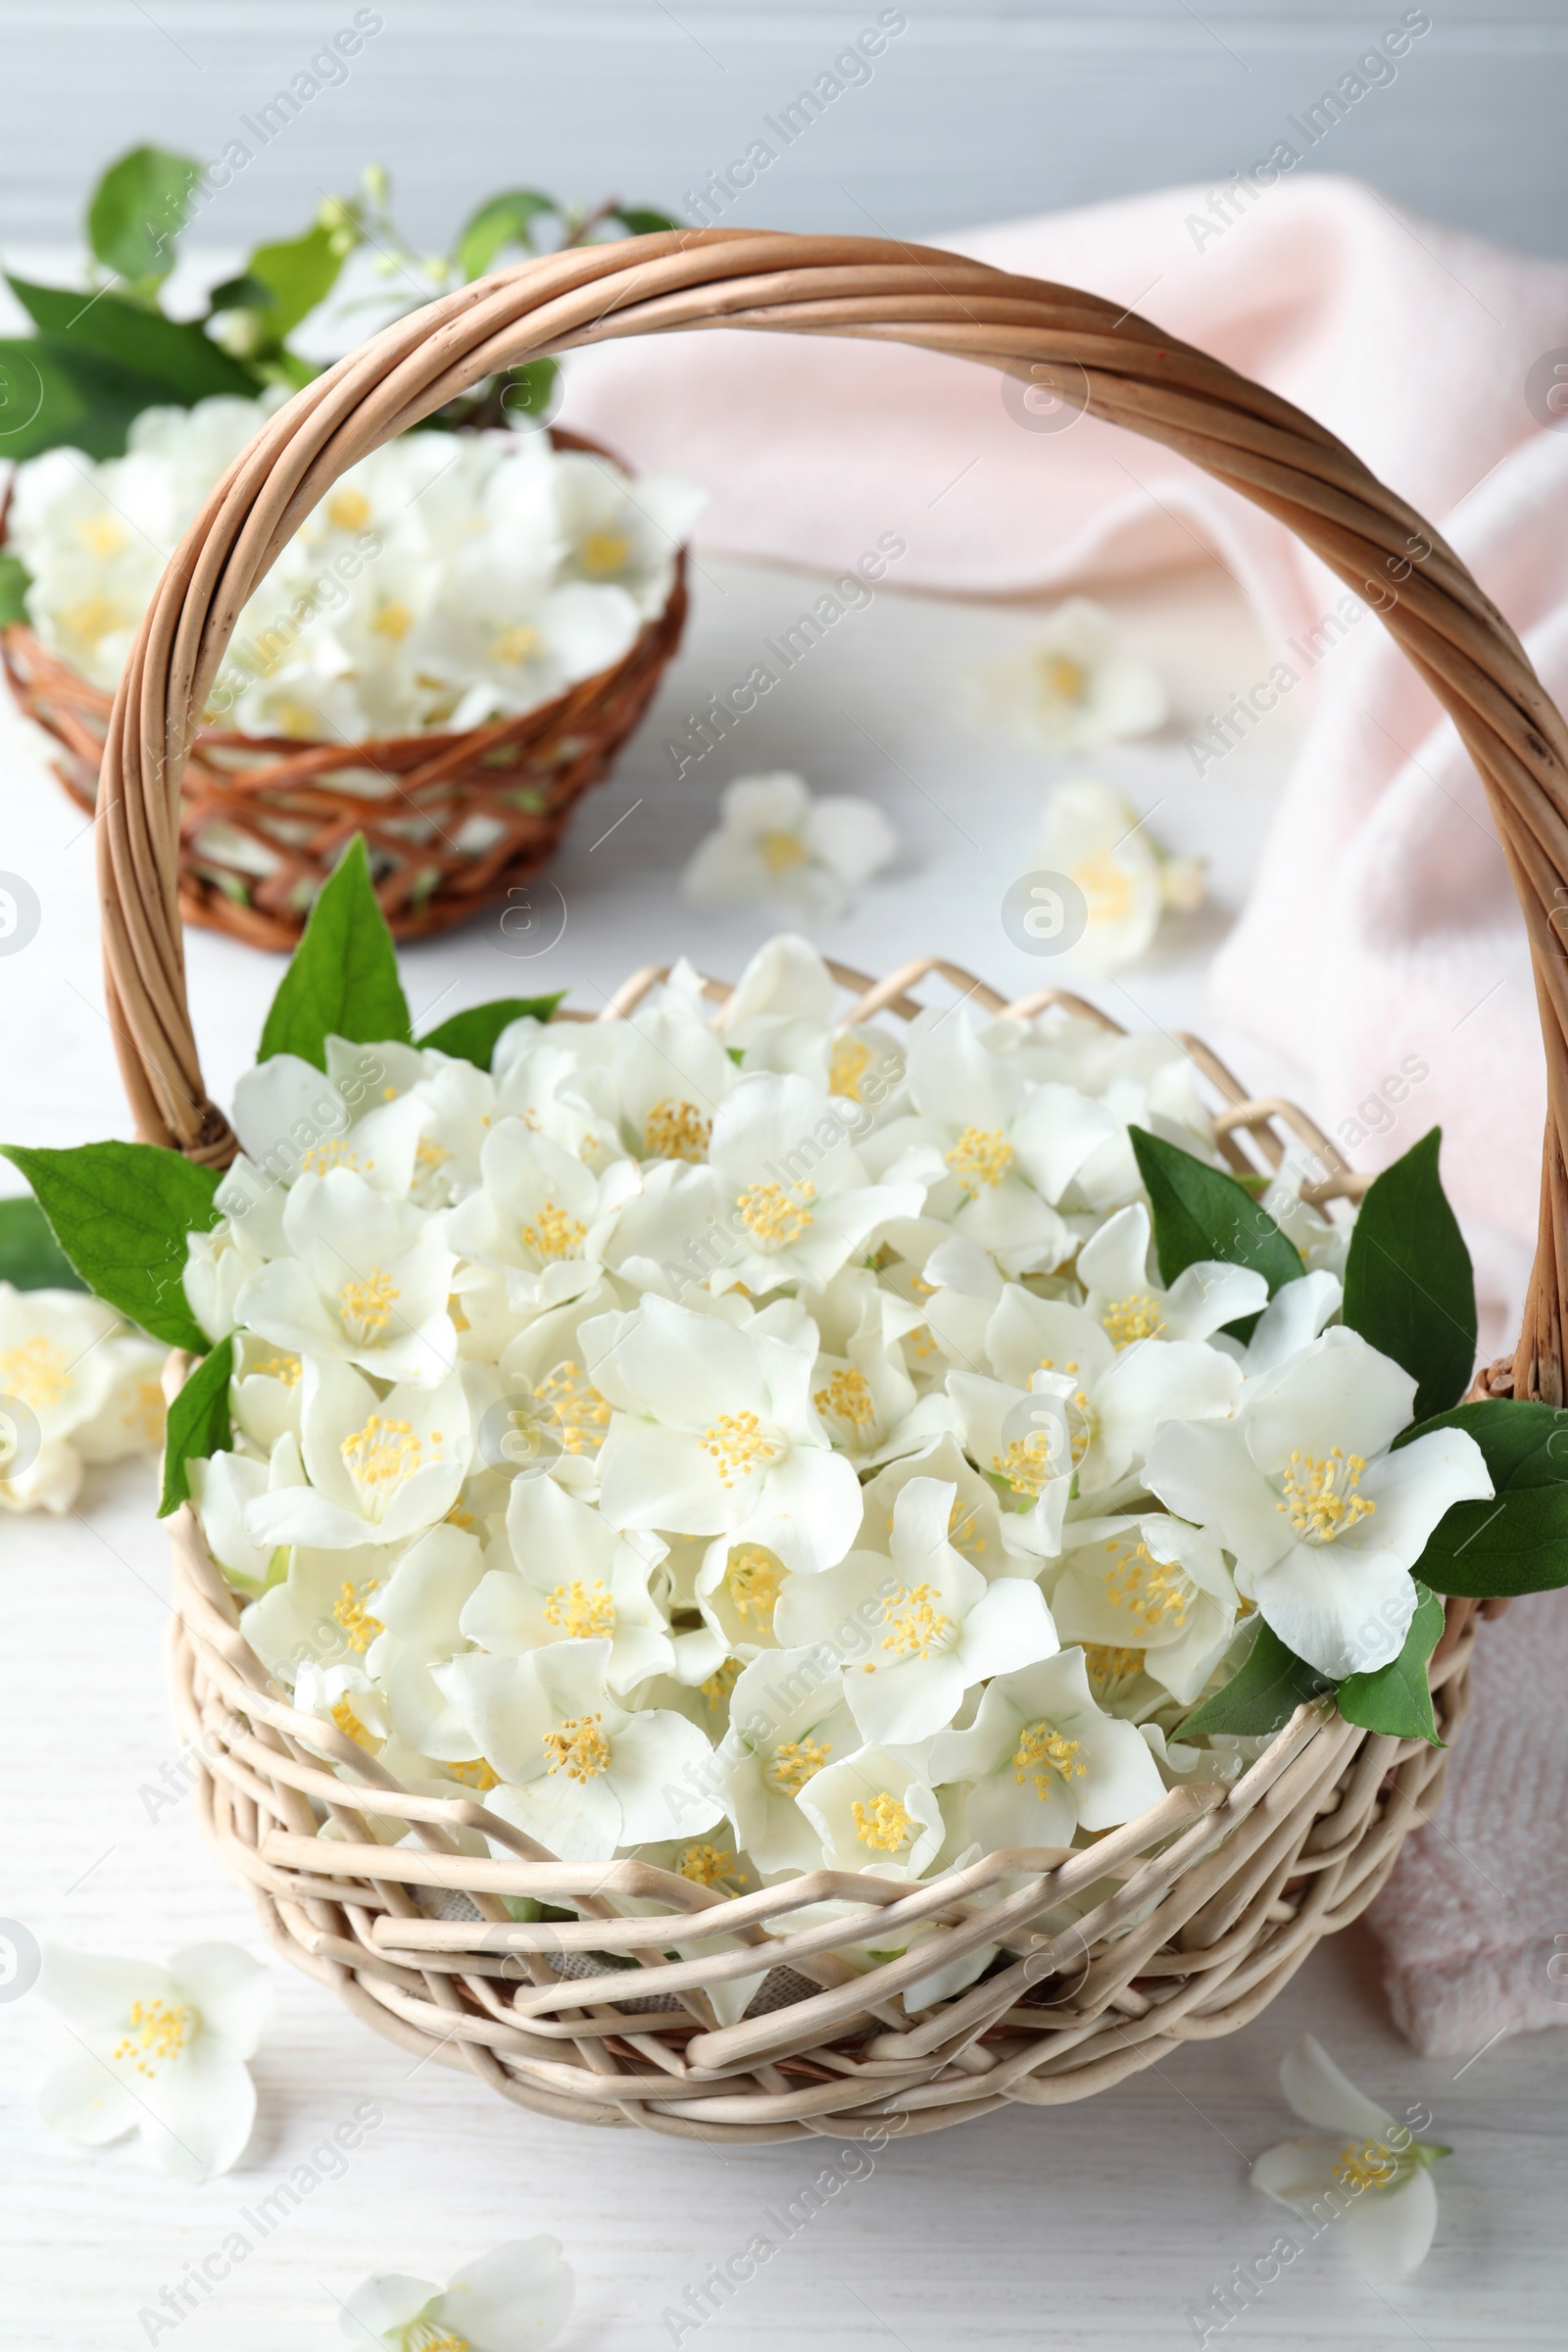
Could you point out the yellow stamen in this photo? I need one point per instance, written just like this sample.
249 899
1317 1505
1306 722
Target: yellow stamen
354 1617
102 535
1026 1465
676 1130
518 645
1135 1317
364 1308
283 1367
740 1446
155 2031
348 510
35 1372
333 1152
474 1772
883 1824
1113 1669
847 1064
848 1398
555 1234
348 1724
604 552
1040 1751
87 624
771 1217
393 622
1366 2164
797 1761
382 1452
1155 1593
918 1629
981 1155
1321 1500
581 1414
781 853
581 1612
754 1579
1106 886
1062 678
578 1747
720 1683
708 1866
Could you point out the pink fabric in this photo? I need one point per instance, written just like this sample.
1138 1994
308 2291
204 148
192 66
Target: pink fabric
1382 924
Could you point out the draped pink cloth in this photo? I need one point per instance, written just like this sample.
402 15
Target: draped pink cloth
1381 924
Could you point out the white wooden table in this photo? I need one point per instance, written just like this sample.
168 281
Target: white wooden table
1103 2225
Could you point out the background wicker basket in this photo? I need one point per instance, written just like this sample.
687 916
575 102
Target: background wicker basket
1187 1920
509 787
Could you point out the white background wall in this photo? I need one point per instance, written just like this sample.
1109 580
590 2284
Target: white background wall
974 113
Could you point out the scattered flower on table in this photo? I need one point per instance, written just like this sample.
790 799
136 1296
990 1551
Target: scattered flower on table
1096 838
514 2299
158 2050
75 1386
776 840
1072 688
1360 2168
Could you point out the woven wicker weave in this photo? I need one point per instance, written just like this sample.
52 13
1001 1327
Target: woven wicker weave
419 799
1189 1918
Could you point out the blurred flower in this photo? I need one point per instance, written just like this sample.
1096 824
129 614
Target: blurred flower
518 2296
1070 689
774 840
158 2050
75 1387
1359 2167
1098 839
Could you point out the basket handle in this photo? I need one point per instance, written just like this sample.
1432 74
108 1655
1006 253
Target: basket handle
1115 364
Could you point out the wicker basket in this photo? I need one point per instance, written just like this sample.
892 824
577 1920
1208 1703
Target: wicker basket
509 787
1190 1918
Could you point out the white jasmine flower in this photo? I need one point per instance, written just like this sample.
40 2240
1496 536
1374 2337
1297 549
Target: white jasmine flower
223 1490
158 2050
974 1523
367 1283
774 840
511 2300
1025 1448
417 1625
940 1627
620 533
59 1377
381 1469
576 1770
1042 1759
715 1433
540 1212
1323 1521
878 1811
293 1119
1129 1303
1096 838
1150 1584
1116 1396
323 1611
787 1721
131 1418
1071 689
264 1392
1358 2168
574 1580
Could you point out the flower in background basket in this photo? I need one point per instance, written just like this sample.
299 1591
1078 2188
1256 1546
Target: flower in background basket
1071 689
158 2050
1100 842
1360 2167
516 2296
774 840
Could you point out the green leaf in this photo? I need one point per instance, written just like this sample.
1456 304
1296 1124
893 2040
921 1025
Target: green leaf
200 1423
1263 1693
57 394
174 352
342 980
1518 1542
504 220
530 390
1408 1285
1396 1698
120 1212
641 221
137 211
14 581
242 293
1201 1214
31 1258
472 1036
297 274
